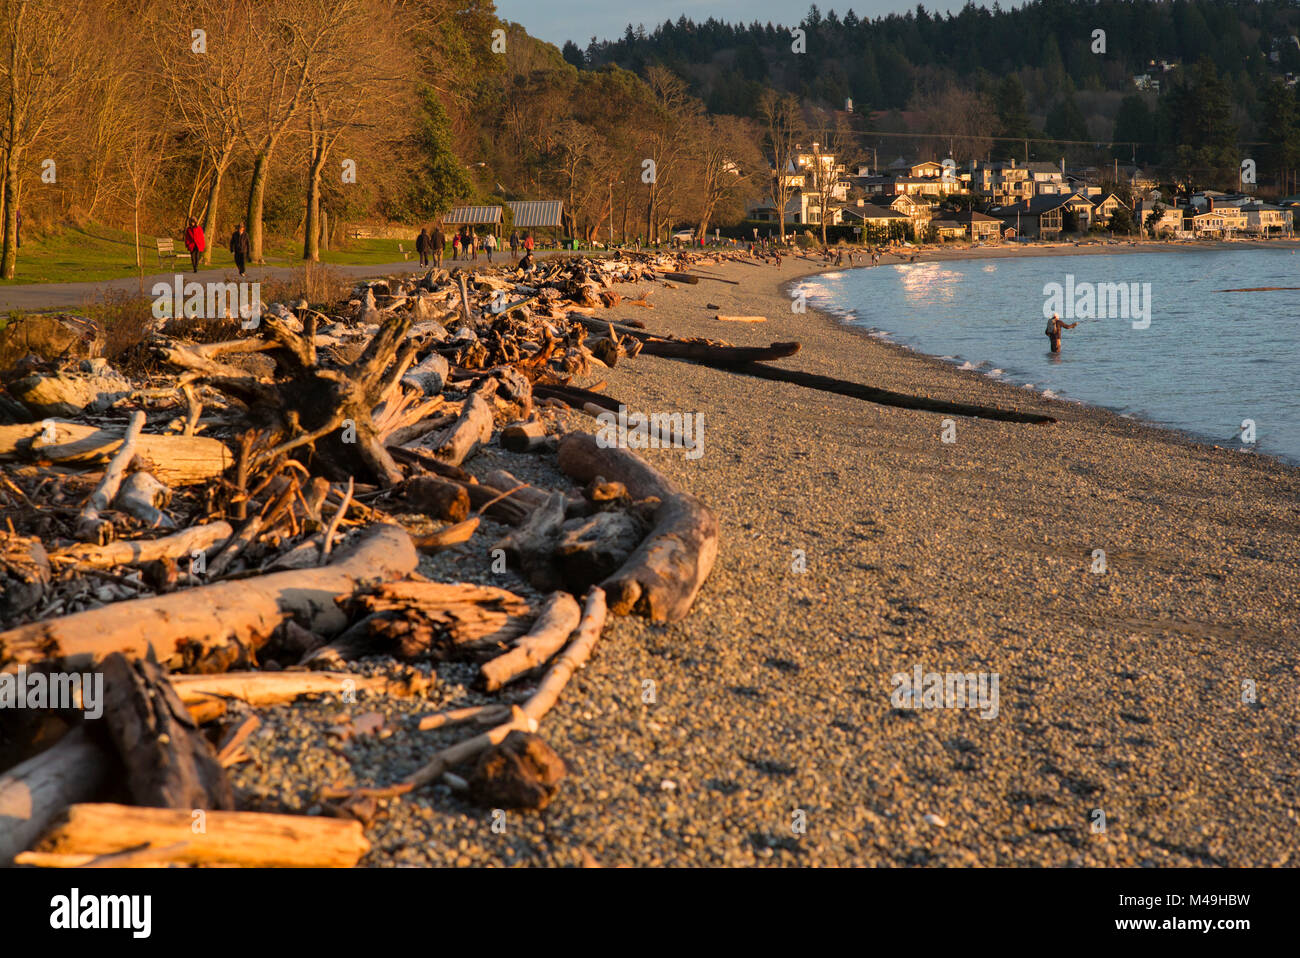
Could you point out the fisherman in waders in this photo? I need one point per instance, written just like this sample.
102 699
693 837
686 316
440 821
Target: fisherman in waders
1054 327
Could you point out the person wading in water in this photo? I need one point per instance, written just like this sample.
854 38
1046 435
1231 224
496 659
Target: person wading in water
1054 327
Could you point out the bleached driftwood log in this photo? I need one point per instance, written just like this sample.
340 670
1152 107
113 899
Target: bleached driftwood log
143 496
458 441
90 527
180 545
35 792
176 460
214 627
252 839
662 577
271 688
556 621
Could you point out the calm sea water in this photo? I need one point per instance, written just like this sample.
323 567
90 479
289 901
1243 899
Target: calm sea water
1207 362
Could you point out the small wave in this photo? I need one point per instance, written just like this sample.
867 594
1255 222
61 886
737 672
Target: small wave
968 365
993 373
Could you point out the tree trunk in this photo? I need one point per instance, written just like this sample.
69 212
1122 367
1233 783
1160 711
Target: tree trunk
9 256
256 193
9 260
311 230
214 194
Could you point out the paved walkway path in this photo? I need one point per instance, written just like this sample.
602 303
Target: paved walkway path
61 295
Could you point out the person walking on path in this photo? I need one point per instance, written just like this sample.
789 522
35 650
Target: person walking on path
1054 327
436 244
240 248
528 242
422 246
195 242
514 243
489 244
455 247
472 245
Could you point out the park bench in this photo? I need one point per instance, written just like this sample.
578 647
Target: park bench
166 247
401 248
360 233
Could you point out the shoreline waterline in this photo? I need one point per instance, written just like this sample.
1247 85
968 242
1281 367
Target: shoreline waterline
1006 366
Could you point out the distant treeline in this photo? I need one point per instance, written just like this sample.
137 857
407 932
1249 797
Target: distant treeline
1036 64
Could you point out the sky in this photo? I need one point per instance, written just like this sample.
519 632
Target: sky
580 20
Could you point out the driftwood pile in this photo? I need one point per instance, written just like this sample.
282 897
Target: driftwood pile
244 514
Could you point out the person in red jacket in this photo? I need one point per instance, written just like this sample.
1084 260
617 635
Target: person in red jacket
195 242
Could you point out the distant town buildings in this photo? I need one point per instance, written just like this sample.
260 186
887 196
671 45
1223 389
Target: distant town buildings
988 201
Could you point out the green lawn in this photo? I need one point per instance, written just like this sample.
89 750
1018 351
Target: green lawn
96 253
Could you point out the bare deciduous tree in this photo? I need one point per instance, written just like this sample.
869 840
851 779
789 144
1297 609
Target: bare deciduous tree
42 59
782 129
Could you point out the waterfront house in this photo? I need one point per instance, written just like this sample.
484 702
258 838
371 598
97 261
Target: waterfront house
1106 208
917 211
1002 184
978 227
945 230
1265 219
1044 217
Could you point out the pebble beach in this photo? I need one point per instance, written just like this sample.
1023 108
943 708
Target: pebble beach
1147 712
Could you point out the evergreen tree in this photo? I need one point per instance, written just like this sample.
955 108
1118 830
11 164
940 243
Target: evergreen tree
1013 118
1281 129
573 54
1065 121
442 178
1132 126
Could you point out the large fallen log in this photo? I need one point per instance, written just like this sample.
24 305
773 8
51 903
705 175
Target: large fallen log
884 397
703 351
176 460
575 396
710 354
252 839
662 577
215 627
37 791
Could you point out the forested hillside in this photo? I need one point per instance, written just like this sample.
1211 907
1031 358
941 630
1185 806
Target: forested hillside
1033 70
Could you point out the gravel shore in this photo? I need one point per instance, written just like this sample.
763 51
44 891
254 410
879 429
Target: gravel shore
857 544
